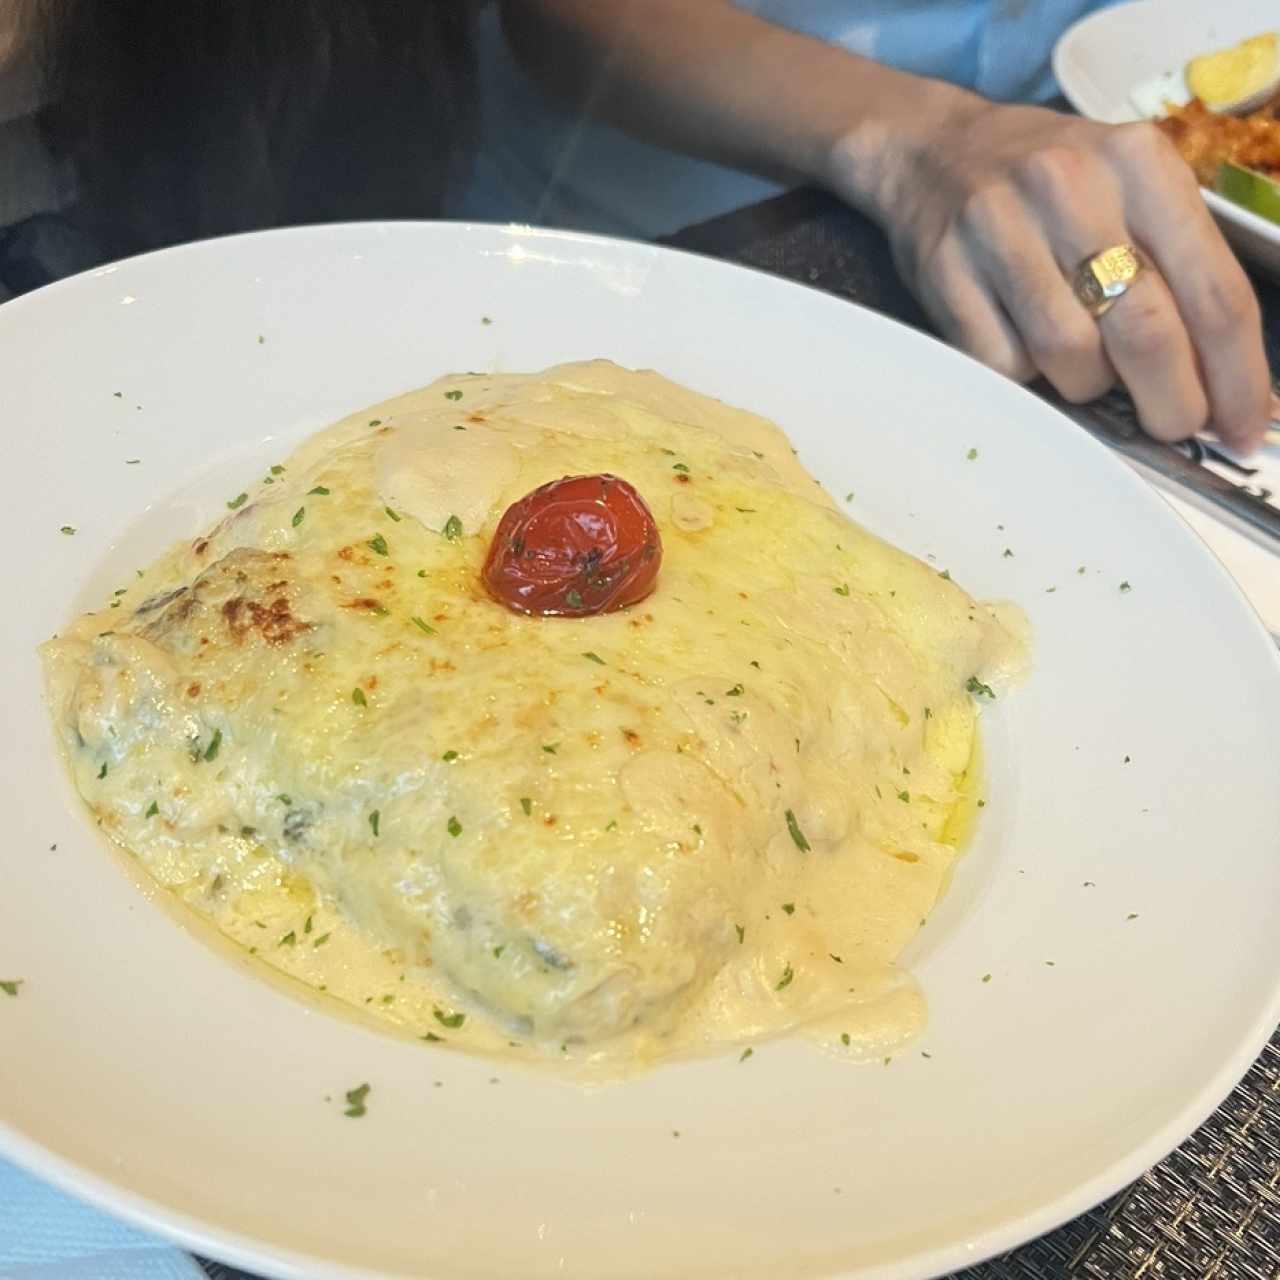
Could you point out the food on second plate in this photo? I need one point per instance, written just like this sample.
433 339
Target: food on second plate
1222 113
1240 79
558 714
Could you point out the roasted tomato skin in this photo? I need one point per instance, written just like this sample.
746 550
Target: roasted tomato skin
575 547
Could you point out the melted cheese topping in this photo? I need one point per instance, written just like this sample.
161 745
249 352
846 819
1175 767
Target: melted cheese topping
714 817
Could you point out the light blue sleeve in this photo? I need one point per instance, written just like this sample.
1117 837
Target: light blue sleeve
46 1235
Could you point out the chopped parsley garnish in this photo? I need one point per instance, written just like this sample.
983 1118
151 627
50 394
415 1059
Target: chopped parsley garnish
299 516
848 497
379 544
498 950
68 529
451 1020
238 501
357 696
319 491
904 796
736 692
527 805
796 834
431 1036
755 664
10 986
453 528
321 940
945 574
306 926
551 747
1133 915
787 975
152 811
789 908
102 773
1124 586
742 934
284 799
679 466
844 1037
290 939
424 627
746 1053
612 825
375 422
746 511
277 470
355 1101
972 454
986 977
836 958
842 589
215 743
573 599
374 818
454 827
391 514
1008 554
449 757
978 689
594 657
928 714
453 395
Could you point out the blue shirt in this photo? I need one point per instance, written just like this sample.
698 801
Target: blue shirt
537 163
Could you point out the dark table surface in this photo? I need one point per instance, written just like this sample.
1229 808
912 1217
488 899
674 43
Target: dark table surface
1211 1211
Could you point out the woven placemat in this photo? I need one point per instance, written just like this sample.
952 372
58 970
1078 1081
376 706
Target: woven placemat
1211 1211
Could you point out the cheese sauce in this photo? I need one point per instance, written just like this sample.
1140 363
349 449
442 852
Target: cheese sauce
708 819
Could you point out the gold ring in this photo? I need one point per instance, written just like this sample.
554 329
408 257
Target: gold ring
1102 279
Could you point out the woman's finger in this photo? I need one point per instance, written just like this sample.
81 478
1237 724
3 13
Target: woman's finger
1210 289
1152 352
1012 251
969 316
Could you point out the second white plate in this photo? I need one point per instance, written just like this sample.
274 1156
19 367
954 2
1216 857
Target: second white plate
1102 58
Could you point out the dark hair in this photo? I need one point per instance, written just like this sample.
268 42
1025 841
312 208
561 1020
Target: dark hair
190 118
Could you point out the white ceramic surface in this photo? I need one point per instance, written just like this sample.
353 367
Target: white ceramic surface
142 1069
1102 58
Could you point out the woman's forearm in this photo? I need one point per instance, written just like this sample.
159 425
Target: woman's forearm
706 78
989 210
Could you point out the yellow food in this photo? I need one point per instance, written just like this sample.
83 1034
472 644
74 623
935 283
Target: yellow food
716 816
1236 78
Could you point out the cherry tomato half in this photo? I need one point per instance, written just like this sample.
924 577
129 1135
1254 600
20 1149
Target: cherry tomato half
575 547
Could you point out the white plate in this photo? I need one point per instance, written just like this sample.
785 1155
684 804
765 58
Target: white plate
144 1071
1102 58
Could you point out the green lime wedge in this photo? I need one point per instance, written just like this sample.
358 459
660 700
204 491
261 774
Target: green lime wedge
1255 191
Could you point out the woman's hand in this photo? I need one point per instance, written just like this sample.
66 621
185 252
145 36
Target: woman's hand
990 209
